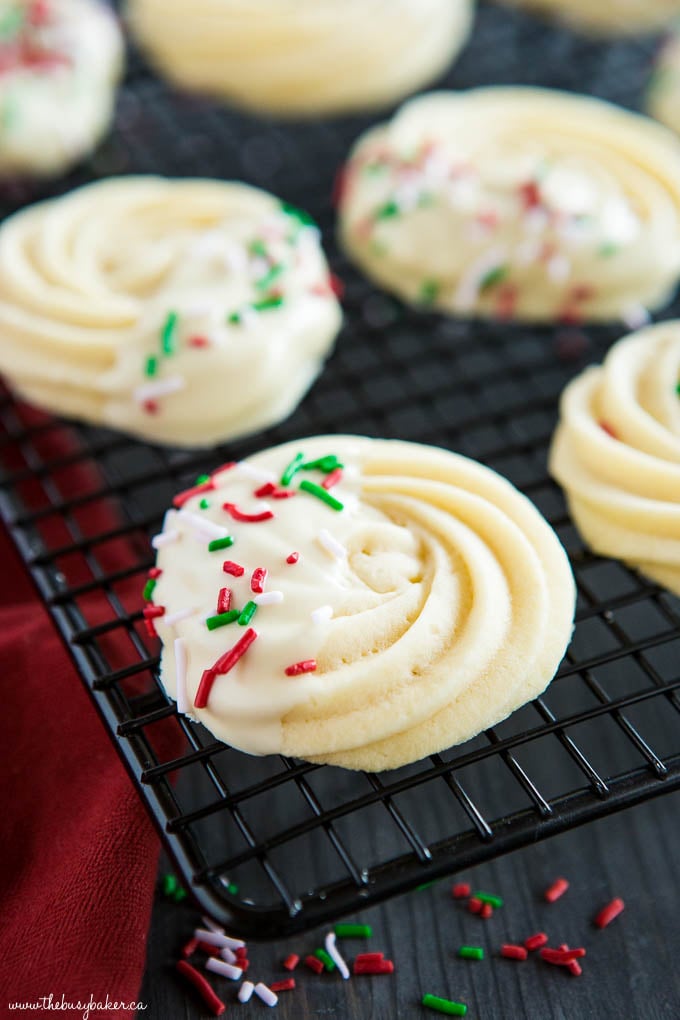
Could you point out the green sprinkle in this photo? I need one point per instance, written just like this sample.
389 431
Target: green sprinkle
151 366
485 897
204 504
202 479
322 494
169 334
608 249
471 953
375 168
220 543
387 211
234 318
292 469
298 215
426 885
258 247
267 303
222 619
677 389
180 895
265 282
353 931
326 464
147 594
493 276
322 955
444 1005
429 291
169 885
12 22
247 613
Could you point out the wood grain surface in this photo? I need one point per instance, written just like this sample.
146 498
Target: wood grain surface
630 971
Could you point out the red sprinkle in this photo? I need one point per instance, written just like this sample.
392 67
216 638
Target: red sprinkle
239 515
198 981
209 950
474 905
608 429
293 558
150 406
332 479
557 889
460 891
231 657
531 194
536 941
486 911
203 693
340 182
150 629
283 493
258 578
227 466
291 962
561 957
511 952
608 913
377 967
314 963
224 600
369 957
283 986
154 573
336 285
189 948
575 968
182 497
198 341
150 612
306 666
235 569
241 953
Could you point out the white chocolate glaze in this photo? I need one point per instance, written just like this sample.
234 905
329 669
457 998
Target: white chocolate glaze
302 56
616 453
442 602
223 287
59 66
517 203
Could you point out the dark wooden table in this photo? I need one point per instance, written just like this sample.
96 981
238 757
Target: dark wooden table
631 969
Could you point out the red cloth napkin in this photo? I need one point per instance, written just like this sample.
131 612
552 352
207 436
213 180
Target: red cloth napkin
79 855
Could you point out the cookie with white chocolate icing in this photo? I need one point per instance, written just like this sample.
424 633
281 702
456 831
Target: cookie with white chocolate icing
356 601
616 453
517 203
302 57
183 311
59 67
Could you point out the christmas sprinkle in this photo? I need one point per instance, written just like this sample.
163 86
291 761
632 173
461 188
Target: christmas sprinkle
291 470
245 991
247 613
298 668
322 494
214 1004
471 953
353 931
446 1006
220 543
332 951
608 913
557 889
235 569
222 619
227 970
169 334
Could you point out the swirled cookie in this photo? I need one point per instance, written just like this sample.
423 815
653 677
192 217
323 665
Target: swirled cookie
302 56
356 601
616 453
185 311
517 202
59 66
609 17
663 92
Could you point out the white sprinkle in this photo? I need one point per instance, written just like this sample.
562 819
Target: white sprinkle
162 388
332 951
181 682
181 614
559 268
226 954
245 991
331 545
635 315
203 524
322 615
210 924
212 938
266 994
164 538
268 598
256 473
226 969
233 943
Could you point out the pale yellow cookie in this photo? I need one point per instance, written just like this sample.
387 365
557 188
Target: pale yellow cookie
60 61
302 57
517 203
616 453
663 91
428 601
183 311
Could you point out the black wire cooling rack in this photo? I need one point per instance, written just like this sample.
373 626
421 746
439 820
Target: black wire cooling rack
274 845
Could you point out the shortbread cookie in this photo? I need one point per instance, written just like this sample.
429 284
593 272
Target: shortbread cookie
60 61
663 91
608 17
302 56
357 601
183 311
616 453
517 203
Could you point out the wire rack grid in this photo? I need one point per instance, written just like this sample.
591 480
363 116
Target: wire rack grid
273 845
